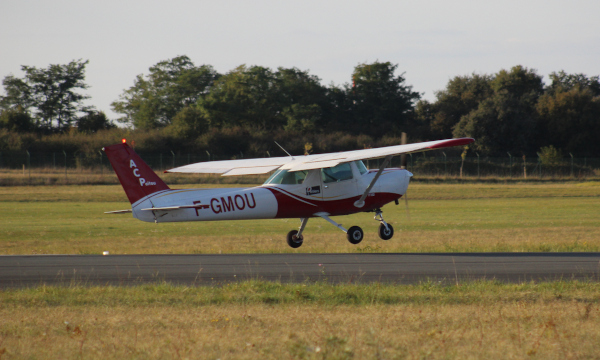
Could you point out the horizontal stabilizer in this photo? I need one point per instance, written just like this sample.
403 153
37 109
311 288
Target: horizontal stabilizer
118 211
169 208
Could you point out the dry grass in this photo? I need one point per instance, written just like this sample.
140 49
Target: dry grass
106 176
485 320
552 239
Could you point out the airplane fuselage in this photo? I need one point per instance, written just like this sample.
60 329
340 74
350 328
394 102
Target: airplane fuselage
312 195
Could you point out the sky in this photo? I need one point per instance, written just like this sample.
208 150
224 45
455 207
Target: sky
430 41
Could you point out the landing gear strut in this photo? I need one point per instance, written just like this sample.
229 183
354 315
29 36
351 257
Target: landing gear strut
386 231
295 237
354 235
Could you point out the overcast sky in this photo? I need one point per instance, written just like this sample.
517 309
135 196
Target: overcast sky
431 41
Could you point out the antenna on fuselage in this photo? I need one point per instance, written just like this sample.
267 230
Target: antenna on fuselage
284 150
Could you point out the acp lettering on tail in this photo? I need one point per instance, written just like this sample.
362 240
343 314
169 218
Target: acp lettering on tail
136 173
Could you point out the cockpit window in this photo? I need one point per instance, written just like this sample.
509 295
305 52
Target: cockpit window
337 173
285 177
361 167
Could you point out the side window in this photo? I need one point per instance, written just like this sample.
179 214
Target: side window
336 173
361 167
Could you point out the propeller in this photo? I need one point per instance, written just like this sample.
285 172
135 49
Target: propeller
403 164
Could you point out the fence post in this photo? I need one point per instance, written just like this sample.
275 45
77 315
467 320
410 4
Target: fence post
477 164
268 153
445 164
509 164
65 153
189 159
540 163
29 164
571 164
101 164
160 157
524 167
173 158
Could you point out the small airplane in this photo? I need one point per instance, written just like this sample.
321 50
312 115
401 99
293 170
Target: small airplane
307 186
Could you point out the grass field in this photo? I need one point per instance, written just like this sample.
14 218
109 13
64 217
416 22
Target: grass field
254 319
297 321
447 218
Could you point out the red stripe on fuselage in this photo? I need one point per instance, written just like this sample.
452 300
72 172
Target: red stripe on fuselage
290 207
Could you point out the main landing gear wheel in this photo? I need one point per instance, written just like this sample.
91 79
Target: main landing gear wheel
294 240
355 235
386 234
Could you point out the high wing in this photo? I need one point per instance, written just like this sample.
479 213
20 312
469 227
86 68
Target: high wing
308 162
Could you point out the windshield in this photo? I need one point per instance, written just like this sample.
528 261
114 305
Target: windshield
287 178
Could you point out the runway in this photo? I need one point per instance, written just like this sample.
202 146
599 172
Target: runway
26 271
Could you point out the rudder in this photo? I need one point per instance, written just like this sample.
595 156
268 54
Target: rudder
136 177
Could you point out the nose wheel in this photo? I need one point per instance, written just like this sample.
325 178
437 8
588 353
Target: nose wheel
294 240
386 231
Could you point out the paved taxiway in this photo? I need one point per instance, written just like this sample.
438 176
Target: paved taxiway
218 269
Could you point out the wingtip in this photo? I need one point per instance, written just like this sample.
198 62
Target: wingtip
453 142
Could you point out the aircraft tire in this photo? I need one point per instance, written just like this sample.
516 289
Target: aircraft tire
293 240
386 234
355 235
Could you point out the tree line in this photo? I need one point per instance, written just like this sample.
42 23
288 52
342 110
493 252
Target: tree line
179 106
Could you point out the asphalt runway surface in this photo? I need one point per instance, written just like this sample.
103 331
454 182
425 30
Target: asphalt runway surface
33 270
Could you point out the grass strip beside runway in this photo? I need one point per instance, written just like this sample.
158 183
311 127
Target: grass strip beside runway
443 218
248 320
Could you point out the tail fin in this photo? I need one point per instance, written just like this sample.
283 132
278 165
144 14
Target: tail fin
135 175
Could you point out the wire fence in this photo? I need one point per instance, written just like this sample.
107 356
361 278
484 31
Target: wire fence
420 164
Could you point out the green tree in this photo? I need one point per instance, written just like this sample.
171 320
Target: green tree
51 92
506 121
93 121
171 85
189 123
570 120
256 97
461 96
245 96
338 110
16 119
561 82
549 155
299 87
520 83
304 118
381 102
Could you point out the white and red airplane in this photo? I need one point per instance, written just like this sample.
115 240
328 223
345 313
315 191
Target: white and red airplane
322 185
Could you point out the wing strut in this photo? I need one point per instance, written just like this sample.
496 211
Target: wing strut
361 202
